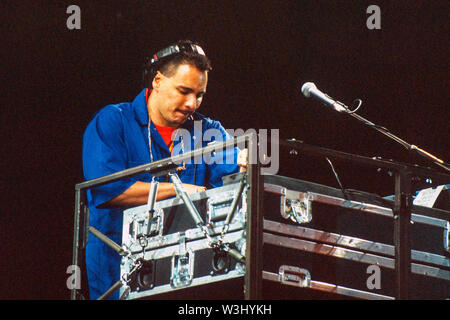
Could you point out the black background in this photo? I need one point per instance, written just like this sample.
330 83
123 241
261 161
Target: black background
54 79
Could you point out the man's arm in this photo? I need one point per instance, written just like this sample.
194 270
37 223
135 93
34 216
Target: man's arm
137 194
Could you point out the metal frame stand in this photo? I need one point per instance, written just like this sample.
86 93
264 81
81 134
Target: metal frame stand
404 176
253 279
402 206
164 167
402 239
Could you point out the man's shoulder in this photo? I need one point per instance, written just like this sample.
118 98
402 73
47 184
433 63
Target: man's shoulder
114 110
110 118
112 113
118 111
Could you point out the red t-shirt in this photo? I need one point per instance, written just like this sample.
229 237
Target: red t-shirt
166 134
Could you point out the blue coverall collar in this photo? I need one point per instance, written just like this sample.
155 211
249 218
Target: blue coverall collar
140 108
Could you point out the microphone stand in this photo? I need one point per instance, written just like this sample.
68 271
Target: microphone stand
408 146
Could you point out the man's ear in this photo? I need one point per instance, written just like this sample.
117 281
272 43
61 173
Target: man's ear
157 80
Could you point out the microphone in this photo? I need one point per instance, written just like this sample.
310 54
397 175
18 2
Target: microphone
309 89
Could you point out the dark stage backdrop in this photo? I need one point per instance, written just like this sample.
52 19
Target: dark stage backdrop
54 79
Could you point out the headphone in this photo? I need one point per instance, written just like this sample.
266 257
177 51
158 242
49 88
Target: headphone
151 64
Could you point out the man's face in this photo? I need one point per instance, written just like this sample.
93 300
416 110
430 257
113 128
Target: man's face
177 97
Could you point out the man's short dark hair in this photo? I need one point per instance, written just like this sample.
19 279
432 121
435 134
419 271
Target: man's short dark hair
200 61
168 65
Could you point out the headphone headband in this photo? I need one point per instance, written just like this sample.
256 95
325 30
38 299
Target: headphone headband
175 49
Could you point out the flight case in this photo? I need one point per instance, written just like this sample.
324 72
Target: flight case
322 244
171 256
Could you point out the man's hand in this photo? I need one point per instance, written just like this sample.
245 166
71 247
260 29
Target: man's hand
192 188
242 160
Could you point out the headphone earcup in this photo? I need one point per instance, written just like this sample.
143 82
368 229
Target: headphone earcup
148 73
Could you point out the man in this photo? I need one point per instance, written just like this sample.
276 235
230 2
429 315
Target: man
148 129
